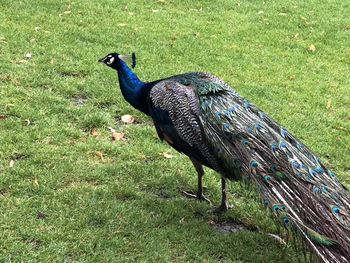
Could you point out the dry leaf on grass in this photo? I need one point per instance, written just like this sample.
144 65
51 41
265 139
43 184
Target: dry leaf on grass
36 183
3 40
312 48
167 155
128 119
94 132
20 61
3 117
329 104
12 163
341 128
99 154
117 136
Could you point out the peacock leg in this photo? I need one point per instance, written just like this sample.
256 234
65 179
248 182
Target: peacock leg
224 206
224 203
200 171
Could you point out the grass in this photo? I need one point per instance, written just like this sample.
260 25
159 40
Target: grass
68 196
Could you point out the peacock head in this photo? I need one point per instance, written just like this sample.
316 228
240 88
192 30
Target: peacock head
113 60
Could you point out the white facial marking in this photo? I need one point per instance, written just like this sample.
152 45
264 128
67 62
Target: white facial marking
110 61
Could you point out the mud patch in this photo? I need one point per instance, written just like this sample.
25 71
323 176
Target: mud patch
80 100
124 195
230 226
36 243
41 215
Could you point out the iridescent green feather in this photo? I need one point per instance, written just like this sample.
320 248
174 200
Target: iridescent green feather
320 239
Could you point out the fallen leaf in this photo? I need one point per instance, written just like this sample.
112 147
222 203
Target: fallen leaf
122 24
21 61
3 117
127 119
12 163
260 12
28 55
312 48
99 154
37 28
67 12
36 183
167 155
329 104
155 10
341 128
27 121
118 136
94 132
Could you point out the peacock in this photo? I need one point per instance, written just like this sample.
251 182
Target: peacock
201 116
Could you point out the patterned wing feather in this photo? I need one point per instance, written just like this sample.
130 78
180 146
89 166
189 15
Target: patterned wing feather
175 112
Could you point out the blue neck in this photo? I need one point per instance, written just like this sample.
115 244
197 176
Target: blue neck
133 89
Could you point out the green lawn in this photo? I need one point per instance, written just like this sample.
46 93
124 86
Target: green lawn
69 196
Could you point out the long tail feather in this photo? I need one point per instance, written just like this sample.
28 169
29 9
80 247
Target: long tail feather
292 181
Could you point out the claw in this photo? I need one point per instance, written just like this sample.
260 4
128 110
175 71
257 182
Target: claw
222 208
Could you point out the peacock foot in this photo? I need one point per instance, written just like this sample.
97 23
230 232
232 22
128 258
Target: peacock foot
222 208
199 197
